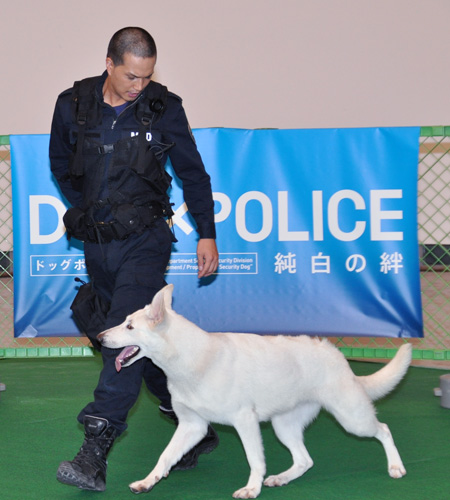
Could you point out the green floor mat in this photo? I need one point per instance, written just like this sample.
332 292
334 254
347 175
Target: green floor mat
38 429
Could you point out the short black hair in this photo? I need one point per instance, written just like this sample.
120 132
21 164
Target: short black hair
136 41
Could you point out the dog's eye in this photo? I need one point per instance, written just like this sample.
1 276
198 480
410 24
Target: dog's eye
130 326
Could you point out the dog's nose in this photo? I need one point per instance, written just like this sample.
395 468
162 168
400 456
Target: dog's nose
100 336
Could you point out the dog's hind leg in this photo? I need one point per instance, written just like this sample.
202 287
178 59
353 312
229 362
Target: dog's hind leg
355 412
189 432
247 426
396 468
289 429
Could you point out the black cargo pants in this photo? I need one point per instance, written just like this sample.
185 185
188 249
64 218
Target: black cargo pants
127 274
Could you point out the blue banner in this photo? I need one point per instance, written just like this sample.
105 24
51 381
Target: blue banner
317 234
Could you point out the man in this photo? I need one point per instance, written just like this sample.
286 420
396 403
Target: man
110 139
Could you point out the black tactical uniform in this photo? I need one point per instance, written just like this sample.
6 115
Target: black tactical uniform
109 164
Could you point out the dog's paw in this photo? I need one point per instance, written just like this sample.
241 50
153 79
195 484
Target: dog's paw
247 492
140 487
397 471
278 480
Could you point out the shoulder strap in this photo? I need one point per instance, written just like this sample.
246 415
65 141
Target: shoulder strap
152 105
84 110
83 97
149 110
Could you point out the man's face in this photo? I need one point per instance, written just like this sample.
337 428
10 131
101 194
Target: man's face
127 81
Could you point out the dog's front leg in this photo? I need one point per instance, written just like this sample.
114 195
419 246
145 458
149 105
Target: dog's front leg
187 435
247 427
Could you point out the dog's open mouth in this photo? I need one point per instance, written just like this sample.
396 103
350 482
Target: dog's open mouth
125 356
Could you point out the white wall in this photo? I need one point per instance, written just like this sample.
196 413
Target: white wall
241 63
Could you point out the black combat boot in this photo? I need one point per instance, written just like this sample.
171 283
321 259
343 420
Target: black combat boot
206 445
88 469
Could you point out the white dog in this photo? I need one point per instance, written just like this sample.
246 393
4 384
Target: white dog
243 379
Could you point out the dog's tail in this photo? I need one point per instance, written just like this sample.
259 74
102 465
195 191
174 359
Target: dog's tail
385 380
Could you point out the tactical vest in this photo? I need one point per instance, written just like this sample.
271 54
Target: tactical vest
124 161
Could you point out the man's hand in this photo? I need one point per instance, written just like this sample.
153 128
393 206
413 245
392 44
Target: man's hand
208 257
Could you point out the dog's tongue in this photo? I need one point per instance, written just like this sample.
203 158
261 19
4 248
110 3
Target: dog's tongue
125 355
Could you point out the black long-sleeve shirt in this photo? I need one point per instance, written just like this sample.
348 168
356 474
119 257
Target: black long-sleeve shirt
173 128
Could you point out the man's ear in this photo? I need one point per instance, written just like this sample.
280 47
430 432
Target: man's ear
109 65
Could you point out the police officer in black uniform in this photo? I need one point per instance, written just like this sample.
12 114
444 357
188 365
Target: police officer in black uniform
110 139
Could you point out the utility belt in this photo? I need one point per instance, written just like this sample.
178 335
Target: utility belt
127 219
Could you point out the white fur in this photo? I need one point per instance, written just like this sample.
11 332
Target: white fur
243 379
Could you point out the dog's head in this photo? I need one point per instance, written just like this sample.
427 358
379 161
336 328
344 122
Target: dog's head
140 333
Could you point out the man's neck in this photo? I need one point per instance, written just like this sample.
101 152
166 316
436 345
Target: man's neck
109 97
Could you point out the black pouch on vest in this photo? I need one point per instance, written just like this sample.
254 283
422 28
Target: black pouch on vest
75 221
128 218
157 175
89 311
151 170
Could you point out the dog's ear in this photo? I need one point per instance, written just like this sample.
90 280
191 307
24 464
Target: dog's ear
155 311
168 290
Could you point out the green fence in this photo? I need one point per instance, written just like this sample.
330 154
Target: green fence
434 254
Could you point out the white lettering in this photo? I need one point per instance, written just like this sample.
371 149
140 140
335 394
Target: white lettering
318 215
148 135
369 212
377 215
36 237
177 219
267 216
333 215
283 221
225 206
